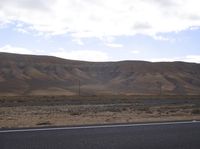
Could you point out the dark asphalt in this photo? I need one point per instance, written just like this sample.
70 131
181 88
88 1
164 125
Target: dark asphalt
168 136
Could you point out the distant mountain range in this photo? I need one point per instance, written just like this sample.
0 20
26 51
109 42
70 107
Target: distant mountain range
47 75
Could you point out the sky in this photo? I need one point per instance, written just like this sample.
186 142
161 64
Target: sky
102 30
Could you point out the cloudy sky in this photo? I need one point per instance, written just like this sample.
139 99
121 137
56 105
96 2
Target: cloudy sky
102 30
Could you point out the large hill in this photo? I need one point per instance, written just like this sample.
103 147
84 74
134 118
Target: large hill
46 75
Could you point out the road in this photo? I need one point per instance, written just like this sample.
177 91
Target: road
170 135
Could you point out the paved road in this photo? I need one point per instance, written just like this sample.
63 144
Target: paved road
175 135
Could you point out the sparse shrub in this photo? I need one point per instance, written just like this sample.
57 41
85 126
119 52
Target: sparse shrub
195 111
113 109
74 112
124 109
143 109
44 123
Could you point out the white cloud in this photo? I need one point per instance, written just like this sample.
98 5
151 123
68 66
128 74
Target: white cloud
20 50
193 58
188 58
135 51
102 18
114 45
12 49
21 30
78 41
85 55
90 55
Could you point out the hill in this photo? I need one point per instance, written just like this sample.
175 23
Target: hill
47 75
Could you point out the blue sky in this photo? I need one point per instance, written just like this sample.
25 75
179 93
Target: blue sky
102 30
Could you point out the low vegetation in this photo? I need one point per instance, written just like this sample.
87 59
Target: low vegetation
37 111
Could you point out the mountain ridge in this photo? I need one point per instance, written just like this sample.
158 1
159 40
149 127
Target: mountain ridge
48 75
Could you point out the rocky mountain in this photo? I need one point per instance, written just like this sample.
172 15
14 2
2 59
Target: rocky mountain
46 75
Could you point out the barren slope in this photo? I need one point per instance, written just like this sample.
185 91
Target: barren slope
45 75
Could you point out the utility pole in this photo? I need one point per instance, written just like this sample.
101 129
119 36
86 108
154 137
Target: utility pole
159 87
79 87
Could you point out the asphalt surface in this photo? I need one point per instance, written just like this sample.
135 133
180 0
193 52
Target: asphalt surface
175 135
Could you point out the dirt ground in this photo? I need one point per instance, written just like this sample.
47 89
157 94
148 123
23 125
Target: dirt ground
23 112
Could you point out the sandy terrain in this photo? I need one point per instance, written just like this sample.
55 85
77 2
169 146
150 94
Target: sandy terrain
26 114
